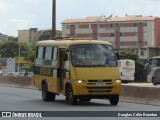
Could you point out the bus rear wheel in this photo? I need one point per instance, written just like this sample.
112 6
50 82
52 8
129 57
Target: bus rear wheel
47 96
114 99
52 96
45 93
71 99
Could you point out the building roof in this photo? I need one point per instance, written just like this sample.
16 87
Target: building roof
134 18
111 19
88 19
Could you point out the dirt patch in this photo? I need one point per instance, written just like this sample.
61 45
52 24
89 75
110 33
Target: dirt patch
17 81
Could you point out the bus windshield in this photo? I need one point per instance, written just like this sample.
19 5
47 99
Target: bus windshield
91 55
156 62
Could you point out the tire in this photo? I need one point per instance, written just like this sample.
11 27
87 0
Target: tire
52 96
114 99
70 98
154 81
45 93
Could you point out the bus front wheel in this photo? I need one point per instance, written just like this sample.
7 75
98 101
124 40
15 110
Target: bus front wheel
114 99
71 99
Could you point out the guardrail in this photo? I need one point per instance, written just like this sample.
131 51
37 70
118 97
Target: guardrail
141 94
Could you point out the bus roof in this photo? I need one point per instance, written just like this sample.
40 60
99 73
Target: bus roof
156 57
126 60
66 43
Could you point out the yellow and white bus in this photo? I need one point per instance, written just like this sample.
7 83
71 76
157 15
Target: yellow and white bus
127 70
79 69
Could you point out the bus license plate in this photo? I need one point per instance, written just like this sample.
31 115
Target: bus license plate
100 84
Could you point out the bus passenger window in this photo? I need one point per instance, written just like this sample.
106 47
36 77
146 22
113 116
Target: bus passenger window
39 57
55 54
48 56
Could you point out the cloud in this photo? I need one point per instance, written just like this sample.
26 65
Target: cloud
6 6
11 27
146 6
3 7
30 1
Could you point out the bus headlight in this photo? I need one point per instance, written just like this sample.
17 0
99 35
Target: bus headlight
80 81
118 81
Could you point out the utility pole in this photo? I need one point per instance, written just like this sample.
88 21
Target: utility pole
54 19
19 56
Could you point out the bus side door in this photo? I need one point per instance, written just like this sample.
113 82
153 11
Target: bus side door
63 73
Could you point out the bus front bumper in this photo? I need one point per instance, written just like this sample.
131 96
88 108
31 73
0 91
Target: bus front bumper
98 89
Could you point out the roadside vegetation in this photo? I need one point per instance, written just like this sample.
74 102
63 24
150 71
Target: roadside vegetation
10 49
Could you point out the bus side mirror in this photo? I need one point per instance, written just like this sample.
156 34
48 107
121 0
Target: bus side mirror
118 58
65 57
117 54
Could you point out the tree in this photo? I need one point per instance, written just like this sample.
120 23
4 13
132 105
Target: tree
31 52
58 33
12 38
46 35
28 67
9 49
132 56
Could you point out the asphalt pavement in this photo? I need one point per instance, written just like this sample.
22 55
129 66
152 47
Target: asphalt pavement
19 99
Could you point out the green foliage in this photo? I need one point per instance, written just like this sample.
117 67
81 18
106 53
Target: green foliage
28 67
46 35
11 49
58 33
132 56
12 38
31 52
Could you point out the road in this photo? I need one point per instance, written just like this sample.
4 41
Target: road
18 99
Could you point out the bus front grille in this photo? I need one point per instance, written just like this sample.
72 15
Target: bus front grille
99 89
93 81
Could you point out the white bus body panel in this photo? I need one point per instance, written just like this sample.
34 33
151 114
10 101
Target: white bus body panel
127 69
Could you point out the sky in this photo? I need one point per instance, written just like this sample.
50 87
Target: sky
24 14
